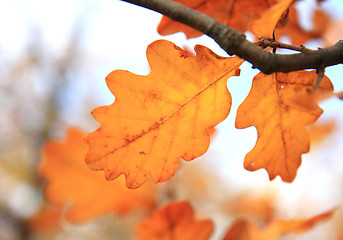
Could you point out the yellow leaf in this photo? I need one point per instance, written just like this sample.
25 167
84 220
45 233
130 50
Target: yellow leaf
158 118
280 121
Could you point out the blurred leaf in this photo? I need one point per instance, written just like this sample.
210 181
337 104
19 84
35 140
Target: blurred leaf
236 14
319 132
174 221
265 25
70 181
246 230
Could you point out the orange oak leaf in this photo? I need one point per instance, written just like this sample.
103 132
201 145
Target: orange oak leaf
295 32
174 221
244 229
236 14
280 122
309 101
264 26
69 180
239 15
158 118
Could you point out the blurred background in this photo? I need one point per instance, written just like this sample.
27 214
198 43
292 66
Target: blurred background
54 57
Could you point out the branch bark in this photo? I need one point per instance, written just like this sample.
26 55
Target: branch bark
235 43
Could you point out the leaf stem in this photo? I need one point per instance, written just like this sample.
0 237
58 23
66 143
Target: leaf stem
320 73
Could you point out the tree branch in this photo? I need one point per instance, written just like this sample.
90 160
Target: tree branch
234 42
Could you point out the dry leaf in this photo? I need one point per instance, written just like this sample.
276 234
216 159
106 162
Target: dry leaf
46 219
280 122
158 118
239 15
321 21
295 32
174 221
318 132
339 95
70 181
261 208
236 14
264 26
246 230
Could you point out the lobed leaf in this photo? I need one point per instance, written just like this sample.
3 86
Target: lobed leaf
272 108
158 118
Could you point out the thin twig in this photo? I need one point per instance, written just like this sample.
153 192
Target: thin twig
265 42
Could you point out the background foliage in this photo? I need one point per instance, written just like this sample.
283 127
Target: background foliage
54 56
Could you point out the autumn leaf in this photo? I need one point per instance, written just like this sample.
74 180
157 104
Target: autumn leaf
280 121
295 32
70 181
321 21
236 14
258 207
158 118
174 221
244 229
264 26
319 132
340 95
283 18
46 219
333 32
